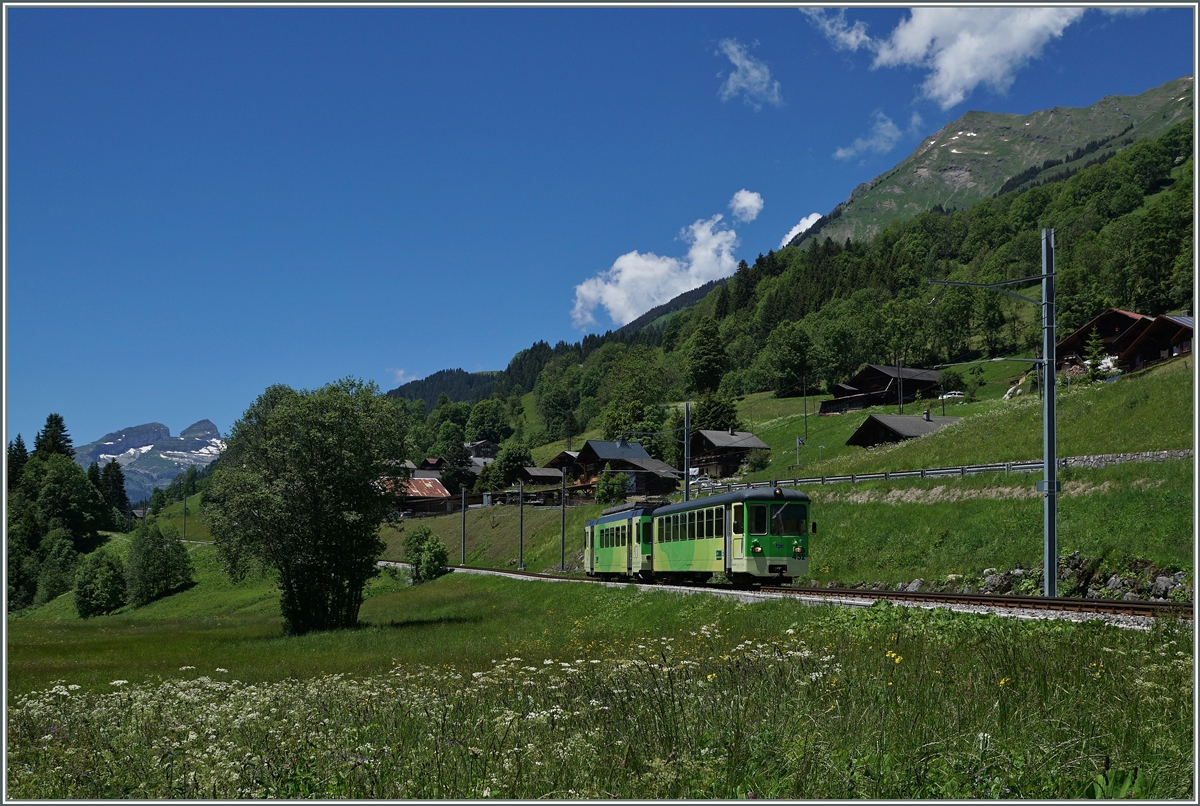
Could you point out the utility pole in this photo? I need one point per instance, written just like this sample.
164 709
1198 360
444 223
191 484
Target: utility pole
562 549
687 451
1050 487
805 382
464 527
521 528
899 383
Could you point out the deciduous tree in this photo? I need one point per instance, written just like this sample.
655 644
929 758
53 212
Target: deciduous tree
298 492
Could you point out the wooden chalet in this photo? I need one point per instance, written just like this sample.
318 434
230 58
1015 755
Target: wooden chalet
1166 337
721 453
421 495
482 449
1118 330
879 429
882 385
541 476
650 476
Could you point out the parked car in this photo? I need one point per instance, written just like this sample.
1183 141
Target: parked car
951 396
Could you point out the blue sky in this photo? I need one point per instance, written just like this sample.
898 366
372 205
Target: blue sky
201 202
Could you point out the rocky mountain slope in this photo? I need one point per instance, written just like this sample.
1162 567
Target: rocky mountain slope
975 156
150 457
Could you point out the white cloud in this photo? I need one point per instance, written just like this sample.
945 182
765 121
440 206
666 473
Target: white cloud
959 48
637 282
965 47
840 35
882 139
804 224
401 376
746 205
751 78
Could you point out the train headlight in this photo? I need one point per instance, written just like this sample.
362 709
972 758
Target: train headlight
756 549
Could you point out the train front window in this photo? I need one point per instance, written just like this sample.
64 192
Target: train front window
788 519
758 519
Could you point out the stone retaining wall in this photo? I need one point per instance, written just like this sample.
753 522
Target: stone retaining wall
1110 459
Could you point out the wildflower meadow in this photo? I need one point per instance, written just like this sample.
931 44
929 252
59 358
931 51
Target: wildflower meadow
884 703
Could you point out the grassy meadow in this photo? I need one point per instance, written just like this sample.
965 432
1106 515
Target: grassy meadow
476 687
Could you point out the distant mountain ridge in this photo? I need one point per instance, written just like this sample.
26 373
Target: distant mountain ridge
974 156
150 457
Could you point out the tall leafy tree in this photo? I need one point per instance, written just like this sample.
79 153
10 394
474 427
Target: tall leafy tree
715 412
17 457
99 584
53 438
488 420
157 563
298 492
705 356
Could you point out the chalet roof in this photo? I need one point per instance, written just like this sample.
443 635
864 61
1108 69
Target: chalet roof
903 426
621 449
738 440
543 475
907 373
655 466
423 488
1085 329
1163 330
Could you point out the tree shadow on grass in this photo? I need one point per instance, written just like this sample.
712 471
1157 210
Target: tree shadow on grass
401 624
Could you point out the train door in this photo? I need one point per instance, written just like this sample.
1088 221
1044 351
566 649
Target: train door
589 548
739 532
629 527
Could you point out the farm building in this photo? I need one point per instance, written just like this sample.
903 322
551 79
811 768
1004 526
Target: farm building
879 429
882 385
1165 337
1118 329
650 476
721 453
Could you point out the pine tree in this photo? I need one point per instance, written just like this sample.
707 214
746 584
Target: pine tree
705 356
93 474
1095 356
112 484
53 438
17 457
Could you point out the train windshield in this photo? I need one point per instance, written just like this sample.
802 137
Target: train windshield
788 519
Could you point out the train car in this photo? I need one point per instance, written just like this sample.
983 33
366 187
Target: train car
760 534
617 544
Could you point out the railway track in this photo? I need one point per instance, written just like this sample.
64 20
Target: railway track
1177 610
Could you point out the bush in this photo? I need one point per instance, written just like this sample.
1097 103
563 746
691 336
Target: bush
610 488
758 460
157 564
425 553
99 584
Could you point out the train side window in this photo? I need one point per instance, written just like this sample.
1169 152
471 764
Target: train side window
720 525
624 535
709 514
737 519
758 519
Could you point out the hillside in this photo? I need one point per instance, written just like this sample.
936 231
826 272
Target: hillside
150 457
972 157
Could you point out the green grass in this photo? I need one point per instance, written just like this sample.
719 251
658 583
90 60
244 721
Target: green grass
1147 411
875 531
472 687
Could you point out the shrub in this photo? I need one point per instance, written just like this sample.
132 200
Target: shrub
758 460
425 553
610 488
157 563
99 584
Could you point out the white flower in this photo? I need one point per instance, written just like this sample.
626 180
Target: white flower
73 687
118 682
185 668
219 669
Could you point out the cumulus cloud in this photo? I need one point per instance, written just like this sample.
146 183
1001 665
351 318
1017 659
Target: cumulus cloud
839 33
804 224
638 281
746 205
401 376
882 139
751 78
959 48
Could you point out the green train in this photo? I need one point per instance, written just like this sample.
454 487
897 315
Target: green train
746 536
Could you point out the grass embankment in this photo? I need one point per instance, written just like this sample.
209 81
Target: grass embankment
474 687
1146 411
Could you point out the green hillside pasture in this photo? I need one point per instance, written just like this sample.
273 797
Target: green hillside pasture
1146 411
494 536
473 687
897 532
197 529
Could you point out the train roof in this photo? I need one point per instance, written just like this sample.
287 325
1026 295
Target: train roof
736 497
623 513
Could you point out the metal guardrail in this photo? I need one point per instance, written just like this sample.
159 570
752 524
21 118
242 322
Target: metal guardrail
963 471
